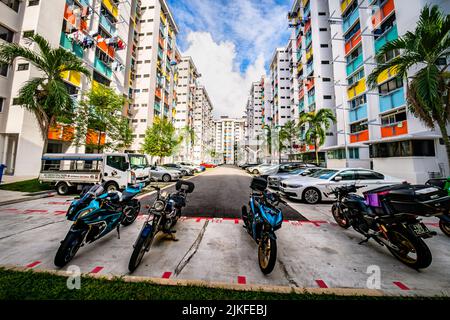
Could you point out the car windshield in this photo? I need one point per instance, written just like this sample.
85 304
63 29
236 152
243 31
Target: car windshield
138 161
323 174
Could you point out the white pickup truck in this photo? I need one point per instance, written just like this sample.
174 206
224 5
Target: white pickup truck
116 170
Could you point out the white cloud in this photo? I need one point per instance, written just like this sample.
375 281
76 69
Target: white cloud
226 86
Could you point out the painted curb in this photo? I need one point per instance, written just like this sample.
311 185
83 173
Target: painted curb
29 198
215 285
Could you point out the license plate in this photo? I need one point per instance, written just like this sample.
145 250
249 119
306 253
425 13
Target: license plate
419 229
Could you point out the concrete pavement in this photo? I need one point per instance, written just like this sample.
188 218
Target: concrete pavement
312 252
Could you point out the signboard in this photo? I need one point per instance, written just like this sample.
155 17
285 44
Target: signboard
84 177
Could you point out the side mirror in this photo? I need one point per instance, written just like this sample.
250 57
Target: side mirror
126 166
337 178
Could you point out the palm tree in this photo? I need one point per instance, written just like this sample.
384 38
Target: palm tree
289 132
268 138
318 122
46 96
426 50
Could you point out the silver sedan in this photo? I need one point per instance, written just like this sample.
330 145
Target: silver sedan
164 174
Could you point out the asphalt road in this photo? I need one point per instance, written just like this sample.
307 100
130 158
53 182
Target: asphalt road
220 193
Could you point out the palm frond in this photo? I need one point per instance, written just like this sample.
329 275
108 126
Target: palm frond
11 51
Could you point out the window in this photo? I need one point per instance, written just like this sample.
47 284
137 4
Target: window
28 33
355 103
389 56
393 118
117 162
322 13
13 4
353 153
325 62
358 127
6 34
323 45
369 175
33 3
4 69
138 161
2 101
408 148
326 79
322 29
347 175
390 86
327 97
22 66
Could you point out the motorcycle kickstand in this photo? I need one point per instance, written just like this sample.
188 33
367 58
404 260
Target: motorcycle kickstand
365 240
118 231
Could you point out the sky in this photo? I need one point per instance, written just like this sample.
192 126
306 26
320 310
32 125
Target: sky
231 43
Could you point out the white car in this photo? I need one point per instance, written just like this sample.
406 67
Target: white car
315 187
257 169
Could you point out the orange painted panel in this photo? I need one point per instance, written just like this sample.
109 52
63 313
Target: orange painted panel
383 12
353 42
92 137
55 132
392 131
361 136
158 92
309 84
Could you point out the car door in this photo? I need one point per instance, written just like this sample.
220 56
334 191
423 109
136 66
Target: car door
116 169
369 179
344 177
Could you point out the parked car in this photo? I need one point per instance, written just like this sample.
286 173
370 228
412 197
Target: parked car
164 174
208 165
315 187
246 165
275 180
283 168
185 171
194 167
258 168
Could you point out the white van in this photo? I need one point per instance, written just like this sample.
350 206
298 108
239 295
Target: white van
117 170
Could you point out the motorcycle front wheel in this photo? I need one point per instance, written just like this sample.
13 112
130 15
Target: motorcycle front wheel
412 250
142 246
131 213
68 248
339 217
267 254
445 227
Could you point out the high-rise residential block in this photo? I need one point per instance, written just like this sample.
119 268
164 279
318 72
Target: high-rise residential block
229 139
203 126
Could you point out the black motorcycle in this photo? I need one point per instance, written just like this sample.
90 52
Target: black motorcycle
162 216
389 215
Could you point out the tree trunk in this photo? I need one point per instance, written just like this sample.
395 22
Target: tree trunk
317 152
443 128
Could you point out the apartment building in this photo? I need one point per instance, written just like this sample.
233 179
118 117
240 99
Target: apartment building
312 64
203 126
186 93
155 61
380 131
229 139
99 32
255 115
280 83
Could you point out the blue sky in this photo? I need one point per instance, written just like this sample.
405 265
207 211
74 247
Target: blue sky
231 42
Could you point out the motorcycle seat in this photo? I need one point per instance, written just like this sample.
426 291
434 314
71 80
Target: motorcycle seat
127 195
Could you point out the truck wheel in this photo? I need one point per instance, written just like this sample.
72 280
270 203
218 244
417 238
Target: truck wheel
111 187
62 188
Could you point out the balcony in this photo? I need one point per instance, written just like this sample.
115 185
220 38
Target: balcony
301 106
387 74
65 42
163 18
157 106
345 4
102 67
309 68
311 99
309 84
393 130
350 20
307 26
309 54
308 40
360 136
299 67
72 77
388 36
158 93
393 100
107 25
358 113
109 50
383 13
301 93
357 89
354 65
60 132
112 7
353 42
161 42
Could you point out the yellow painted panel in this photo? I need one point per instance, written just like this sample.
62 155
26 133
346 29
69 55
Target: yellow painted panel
305 2
309 54
345 4
65 75
75 78
299 67
357 90
111 7
163 18
386 74
95 85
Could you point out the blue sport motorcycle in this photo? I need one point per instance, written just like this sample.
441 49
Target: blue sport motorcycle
96 213
261 220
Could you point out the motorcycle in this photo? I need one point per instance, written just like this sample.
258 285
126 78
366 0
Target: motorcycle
162 216
261 220
96 213
385 215
444 220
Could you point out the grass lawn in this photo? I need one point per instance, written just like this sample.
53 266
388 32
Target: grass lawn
18 285
26 186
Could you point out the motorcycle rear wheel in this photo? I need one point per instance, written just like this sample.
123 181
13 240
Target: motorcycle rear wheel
410 244
68 248
131 213
339 217
445 227
267 254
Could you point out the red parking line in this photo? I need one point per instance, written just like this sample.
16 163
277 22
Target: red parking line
321 284
59 212
401 285
9 209
166 275
33 264
96 269
198 220
236 221
35 211
241 280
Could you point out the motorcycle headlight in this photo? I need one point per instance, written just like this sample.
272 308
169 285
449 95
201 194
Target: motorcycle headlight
85 212
159 205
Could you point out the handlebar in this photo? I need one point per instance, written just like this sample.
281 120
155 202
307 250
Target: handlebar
345 188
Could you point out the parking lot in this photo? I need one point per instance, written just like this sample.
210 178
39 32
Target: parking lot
312 250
